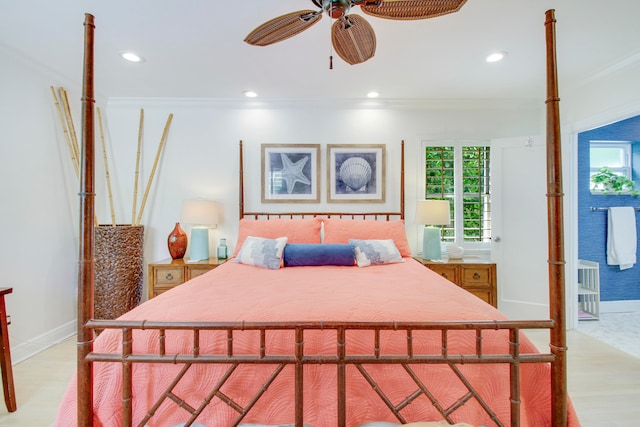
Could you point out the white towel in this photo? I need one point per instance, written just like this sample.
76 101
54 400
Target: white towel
621 237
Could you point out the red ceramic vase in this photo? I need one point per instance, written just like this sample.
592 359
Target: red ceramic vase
177 242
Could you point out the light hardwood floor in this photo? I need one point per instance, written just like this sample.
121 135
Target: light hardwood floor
603 382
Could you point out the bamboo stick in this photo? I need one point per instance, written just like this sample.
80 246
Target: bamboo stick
72 130
106 168
135 184
155 164
72 152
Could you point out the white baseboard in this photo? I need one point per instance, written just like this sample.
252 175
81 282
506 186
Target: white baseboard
619 306
30 348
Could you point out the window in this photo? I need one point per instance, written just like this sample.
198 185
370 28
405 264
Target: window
459 172
612 155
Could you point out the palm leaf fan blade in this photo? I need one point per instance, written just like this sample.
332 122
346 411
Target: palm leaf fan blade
412 9
353 39
282 27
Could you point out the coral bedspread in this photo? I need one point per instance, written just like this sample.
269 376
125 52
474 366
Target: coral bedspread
396 292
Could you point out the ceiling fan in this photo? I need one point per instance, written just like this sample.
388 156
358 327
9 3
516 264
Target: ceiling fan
352 36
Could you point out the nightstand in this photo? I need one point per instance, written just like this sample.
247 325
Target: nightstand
169 273
475 275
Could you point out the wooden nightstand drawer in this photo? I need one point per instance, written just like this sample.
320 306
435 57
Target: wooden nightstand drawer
476 275
483 294
158 289
473 275
198 271
169 275
446 271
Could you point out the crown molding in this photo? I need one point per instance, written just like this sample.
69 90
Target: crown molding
409 104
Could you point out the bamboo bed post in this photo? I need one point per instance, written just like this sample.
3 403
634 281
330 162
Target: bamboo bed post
402 179
555 232
86 268
241 186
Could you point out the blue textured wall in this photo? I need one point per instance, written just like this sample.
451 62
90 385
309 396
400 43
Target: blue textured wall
592 226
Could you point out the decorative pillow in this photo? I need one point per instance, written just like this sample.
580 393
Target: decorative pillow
375 252
304 254
266 253
305 230
339 230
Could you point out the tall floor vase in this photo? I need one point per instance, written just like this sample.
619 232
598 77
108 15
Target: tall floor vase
119 269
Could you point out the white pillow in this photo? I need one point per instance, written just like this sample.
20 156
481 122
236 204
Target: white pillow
261 252
375 252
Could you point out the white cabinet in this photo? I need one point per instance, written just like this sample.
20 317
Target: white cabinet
588 290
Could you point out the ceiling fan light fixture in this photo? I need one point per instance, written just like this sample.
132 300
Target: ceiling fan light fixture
249 94
132 57
496 56
336 9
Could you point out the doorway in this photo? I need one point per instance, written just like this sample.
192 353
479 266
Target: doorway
618 288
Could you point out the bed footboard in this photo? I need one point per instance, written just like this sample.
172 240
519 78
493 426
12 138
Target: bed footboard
341 358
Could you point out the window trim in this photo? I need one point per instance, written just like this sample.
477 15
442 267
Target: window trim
626 170
457 201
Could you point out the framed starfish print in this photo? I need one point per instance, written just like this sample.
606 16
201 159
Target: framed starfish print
290 173
356 173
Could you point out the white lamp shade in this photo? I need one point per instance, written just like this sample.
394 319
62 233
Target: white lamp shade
199 212
433 212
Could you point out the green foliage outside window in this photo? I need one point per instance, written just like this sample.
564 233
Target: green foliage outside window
607 181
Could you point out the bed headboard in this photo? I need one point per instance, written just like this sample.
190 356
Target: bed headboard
385 216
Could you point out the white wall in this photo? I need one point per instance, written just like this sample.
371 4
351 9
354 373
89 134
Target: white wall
607 97
201 152
39 249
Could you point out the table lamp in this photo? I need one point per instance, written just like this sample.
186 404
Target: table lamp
430 213
201 214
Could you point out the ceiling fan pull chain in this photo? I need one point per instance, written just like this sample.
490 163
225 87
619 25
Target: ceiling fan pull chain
330 49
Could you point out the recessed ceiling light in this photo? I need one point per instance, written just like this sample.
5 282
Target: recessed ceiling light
496 56
132 57
373 94
249 94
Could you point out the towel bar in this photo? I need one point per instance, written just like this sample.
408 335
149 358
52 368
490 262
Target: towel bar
594 209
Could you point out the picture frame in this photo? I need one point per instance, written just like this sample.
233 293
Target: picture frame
290 173
356 173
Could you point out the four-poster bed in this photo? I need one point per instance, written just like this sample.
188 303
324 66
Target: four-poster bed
325 345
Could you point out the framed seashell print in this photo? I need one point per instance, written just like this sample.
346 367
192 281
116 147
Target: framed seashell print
356 173
290 173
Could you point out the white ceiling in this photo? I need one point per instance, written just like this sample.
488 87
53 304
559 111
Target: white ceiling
195 48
